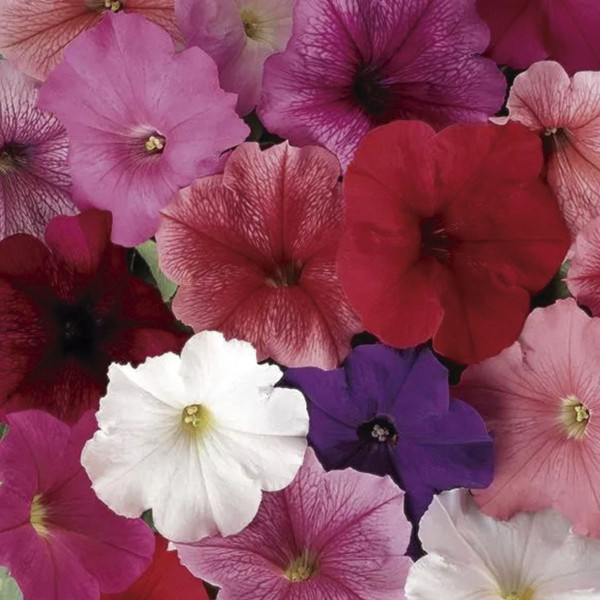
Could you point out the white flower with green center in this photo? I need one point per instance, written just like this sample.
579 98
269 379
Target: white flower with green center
196 438
534 556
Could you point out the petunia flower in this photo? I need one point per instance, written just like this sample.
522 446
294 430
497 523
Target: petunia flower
35 33
351 65
57 539
533 556
253 251
447 235
526 31
142 123
34 175
69 308
196 438
539 398
389 412
583 278
165 579
239 35
566 114
336 535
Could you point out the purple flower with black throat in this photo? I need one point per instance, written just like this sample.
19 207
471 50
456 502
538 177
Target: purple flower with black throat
389 412
352 65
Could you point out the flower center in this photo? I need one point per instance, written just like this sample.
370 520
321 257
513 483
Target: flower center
78 330
285 275
303 567
575 416
371 93
155 143
435 239
37 516
113 5
252 25
13 156
379 430
526 594
196 419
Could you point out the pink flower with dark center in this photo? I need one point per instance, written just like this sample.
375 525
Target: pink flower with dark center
34 176
253 251
351 65
35 33
143 123
57 539
566 113
339 535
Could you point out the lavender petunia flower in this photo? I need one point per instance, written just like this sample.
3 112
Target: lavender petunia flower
389 412
354 64
34 175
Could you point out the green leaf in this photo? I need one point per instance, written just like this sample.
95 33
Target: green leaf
3 432
9 590
560 287
148 252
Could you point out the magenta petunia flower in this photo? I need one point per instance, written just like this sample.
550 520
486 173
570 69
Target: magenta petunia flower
354 64
57 539
142 123
34 33
339 535
254 249
584 271
34 175
239 35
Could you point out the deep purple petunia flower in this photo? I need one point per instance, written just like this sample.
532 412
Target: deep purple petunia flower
354 64
389 412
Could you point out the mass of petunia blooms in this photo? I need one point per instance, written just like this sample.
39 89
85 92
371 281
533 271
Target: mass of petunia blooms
300 299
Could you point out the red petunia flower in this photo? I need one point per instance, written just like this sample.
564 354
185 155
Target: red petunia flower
448 235
67 310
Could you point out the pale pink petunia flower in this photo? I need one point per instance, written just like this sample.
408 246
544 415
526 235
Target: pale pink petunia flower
34 33
239 35
584 271
254 250
566 113
541 400
34 175
339 535
142 123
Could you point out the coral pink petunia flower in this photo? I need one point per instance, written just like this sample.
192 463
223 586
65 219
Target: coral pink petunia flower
34 33
34 175
566 113
254 253
142 123
166 579
584 271
354 64
541 400
336 535
525 31
239 35
57 539
447 235
67 310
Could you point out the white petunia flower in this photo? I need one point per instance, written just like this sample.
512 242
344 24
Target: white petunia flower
534 556
196 438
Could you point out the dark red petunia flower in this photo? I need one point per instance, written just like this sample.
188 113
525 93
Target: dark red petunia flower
67 310
165 579
448 235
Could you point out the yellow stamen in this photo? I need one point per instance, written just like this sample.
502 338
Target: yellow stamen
526 594
550 131
37 516
196 418
113 5
252 24
575 416
305 566
155 143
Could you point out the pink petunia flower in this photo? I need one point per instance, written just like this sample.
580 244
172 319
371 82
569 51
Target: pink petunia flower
584 271
254 253
566 113
354 64
57 539
541 400
525 31
34 175
142 123
336 535
239 35
34 33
